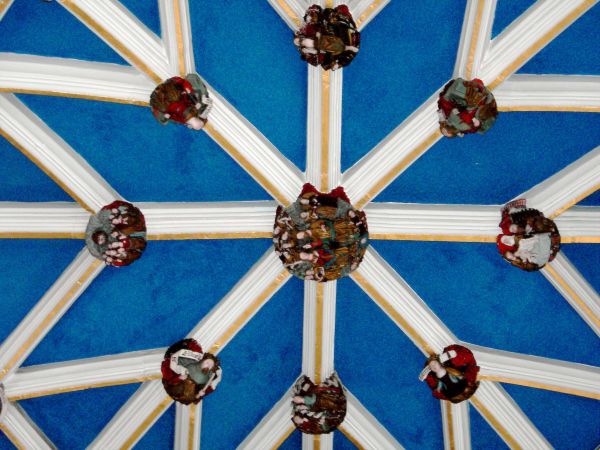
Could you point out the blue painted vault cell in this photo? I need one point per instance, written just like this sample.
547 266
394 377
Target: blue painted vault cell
244 50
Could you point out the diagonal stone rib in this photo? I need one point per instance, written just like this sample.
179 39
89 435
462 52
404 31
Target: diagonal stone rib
47 312
125 33
474 38
29 134
44 75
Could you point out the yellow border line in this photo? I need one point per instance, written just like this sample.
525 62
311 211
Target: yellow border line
42 326
319 332
395 315
537 385
350 437
573 202
325 95
73 95
251 310
508 439
474 38
368 11
393 173
290 13
283 438
431 237
3 6
34 235
11 437
549 108
541 42
192 426
246 165
82 387
316 442
146 423
179 37
34 160
451 442
586 309
580 239
104 34
188 236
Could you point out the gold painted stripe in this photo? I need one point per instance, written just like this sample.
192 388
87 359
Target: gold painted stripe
431 237
113 42
188 236
573 202
82 387
317 442
283 438
3 6
474 38
179 36
549 108
290 13
392 174
368 11
242 161
450 424
586 309
580 239
541 42
325 94
395 315
350 437
26 235
44 324
510 441
72 95
11 437
129 443
192 426
319 333
538 385
251 310
34 160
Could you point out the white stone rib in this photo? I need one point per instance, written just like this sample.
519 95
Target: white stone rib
110 370
428 221
575 289
22 431
394 154
321 442
518 431
176 31
567 187
4 5
125 33
456 425
535 371
73 77
217 328
474 38
273 428
314 126
291 11
325 175
363 11
404 302
50 308
549 92
61 218
365 429
208 217
580 222
311 332
264 159
29 132
143 408
528 34
188 419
